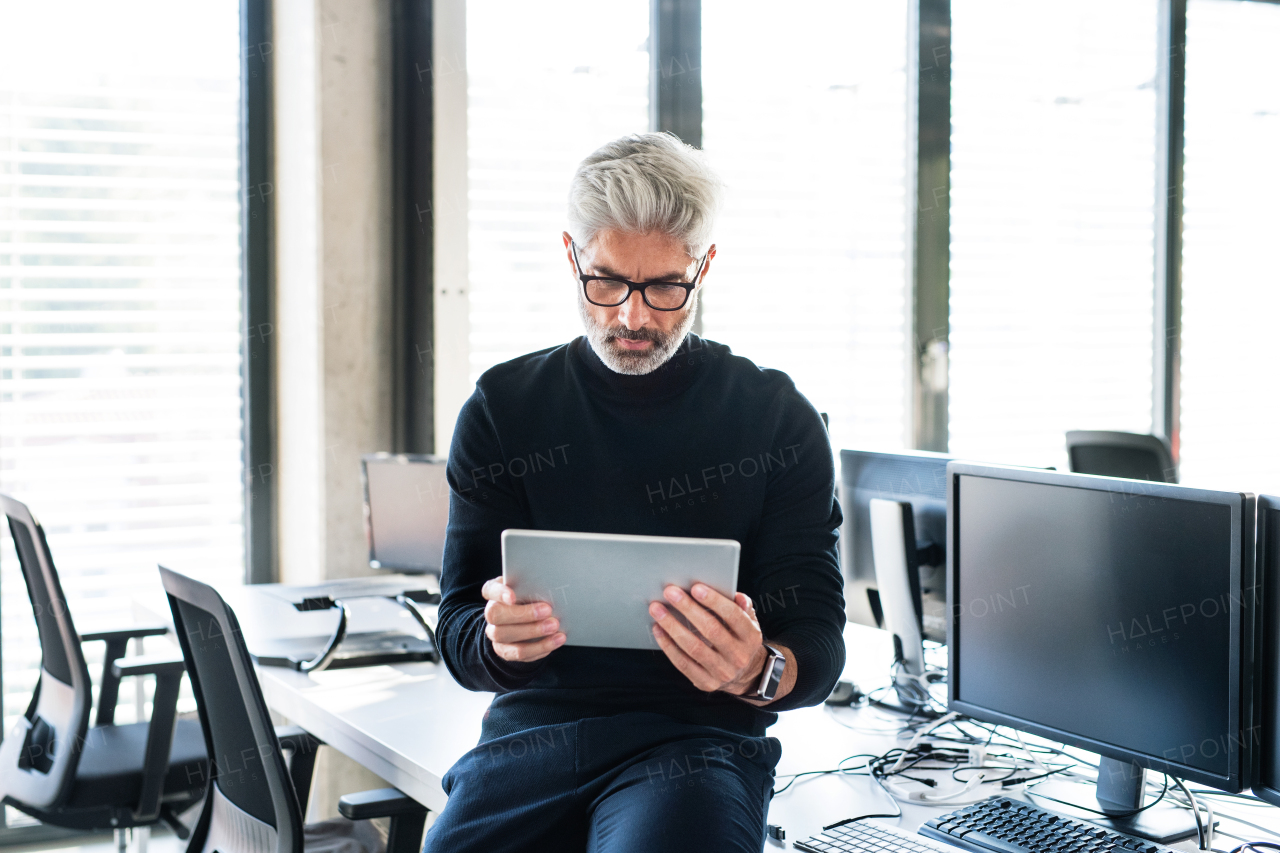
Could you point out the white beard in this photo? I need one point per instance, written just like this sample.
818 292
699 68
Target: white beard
632 363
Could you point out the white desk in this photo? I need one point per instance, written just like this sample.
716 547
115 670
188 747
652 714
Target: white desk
410 722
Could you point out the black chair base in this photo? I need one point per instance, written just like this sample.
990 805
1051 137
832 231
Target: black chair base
103 819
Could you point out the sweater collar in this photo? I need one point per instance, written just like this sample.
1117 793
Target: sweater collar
672 378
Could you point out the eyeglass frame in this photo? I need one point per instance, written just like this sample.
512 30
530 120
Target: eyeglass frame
632 286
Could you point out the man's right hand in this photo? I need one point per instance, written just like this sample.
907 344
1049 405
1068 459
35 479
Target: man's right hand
519 632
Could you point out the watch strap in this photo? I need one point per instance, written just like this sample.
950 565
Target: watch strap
774 665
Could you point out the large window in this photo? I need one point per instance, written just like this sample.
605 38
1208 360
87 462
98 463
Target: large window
1231 282
548 83
1052 224
810 273
1053 219
120 390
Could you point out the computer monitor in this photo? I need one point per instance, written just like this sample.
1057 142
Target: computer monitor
406 511
1267 785
919 478
1109 615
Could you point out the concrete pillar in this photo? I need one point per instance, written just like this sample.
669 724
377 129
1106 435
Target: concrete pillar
333 274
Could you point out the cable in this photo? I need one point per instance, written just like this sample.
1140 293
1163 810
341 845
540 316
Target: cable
920 734
895 722
983 767
1229 835
1022 780
1195 810
858 818
796 776
1213 792
888 794
840 768
954 795
1035 759
994 731
1250 846
959 744
1163 791
927 749
1235 819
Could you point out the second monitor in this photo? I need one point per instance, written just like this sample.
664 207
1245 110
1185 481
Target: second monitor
915 477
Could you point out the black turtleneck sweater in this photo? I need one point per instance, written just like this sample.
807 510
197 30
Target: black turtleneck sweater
708 445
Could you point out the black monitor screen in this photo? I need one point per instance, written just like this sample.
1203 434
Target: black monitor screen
1268 786
1098 614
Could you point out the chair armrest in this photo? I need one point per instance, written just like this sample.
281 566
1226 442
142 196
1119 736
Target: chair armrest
384 802
117 640
130 633
408 816
158 665
301 746
164 718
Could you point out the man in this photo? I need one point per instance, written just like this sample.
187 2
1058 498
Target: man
639 427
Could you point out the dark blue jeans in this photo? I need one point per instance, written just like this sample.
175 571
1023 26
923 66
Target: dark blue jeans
632 782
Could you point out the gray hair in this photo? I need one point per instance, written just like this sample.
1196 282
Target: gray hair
645 183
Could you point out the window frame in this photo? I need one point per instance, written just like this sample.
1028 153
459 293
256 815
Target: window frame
257 258
675 78
676 106
1171 95
929 220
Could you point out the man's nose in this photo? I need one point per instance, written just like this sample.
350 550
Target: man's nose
634 313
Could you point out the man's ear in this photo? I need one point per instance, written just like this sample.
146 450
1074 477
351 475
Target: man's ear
711 254
568 253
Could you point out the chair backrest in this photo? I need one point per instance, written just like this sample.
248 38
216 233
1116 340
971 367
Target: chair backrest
250 807
38 758
1121 454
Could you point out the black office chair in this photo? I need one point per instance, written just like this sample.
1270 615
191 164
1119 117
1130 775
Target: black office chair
255 803
57 768
1121 454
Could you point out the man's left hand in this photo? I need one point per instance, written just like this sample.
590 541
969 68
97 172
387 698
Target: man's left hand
727 653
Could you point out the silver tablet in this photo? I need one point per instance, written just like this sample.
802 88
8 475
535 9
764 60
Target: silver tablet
600 585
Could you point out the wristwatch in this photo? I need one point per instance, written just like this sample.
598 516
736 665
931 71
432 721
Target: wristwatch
774 666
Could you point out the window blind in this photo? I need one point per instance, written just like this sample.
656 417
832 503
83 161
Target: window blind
120 389
1052 224
548 83
805 120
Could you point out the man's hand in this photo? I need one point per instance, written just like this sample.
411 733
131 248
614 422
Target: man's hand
727 652
519 632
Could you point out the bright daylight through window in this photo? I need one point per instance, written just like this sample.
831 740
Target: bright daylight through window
1052 224
1231 283
547 84
120 390
810 276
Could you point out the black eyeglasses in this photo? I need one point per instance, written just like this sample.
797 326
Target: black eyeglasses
658 295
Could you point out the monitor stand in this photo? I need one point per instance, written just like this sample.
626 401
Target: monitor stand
905 706
1120 791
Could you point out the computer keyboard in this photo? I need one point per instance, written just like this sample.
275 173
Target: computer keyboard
1002 825
871 838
